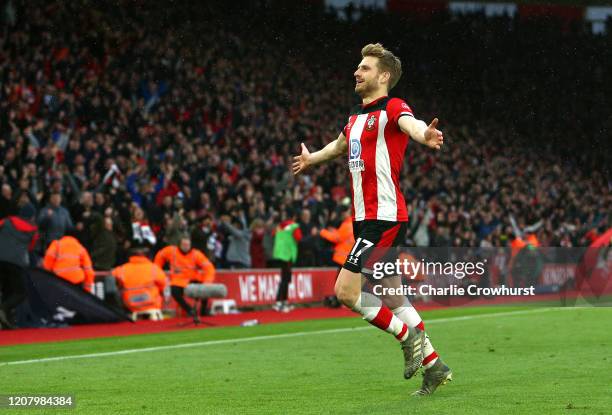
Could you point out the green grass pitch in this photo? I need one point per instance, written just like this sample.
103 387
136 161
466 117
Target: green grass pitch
520 361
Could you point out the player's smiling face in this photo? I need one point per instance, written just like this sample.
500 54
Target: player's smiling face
367 76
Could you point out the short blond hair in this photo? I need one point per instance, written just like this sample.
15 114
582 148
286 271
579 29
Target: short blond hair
387 61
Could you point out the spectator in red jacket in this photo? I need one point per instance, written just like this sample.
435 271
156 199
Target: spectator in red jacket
258 253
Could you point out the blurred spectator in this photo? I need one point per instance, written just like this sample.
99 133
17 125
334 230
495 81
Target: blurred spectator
82 209
141 230
286 238
68 259
104 242
18 236
7 202
53 220
307 246
204 237
81 214
256 248
342 237
185 264
175 228
239 236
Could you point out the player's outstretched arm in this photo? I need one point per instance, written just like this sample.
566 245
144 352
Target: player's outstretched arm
425 134
307 159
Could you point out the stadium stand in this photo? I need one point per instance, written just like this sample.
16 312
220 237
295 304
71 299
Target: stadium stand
156 119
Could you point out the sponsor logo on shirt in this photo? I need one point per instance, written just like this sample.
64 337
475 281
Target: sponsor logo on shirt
356 165
355 162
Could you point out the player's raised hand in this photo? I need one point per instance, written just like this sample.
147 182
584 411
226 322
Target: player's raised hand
433 137
300 163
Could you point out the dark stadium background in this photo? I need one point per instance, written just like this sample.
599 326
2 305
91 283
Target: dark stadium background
207 102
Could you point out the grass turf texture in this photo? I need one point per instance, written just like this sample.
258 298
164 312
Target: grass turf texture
532 361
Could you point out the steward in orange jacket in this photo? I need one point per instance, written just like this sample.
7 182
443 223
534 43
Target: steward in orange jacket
518 243
342 238
142 282
184 263
526 261
68 259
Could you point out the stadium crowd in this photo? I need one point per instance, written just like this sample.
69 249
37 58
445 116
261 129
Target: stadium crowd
143 122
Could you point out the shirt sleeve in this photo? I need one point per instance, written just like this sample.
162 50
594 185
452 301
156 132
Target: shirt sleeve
398 108
90 276
118 274
346 127
206 266
297 234
331 235
50 255
160 258
354 110
159 278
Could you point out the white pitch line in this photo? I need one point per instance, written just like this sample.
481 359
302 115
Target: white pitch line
257 338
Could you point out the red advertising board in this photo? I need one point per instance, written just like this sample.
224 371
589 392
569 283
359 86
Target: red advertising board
557 274
251 287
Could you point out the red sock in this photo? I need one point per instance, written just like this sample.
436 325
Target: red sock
430 359
385 320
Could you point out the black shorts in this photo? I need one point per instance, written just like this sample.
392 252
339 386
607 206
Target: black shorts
371 234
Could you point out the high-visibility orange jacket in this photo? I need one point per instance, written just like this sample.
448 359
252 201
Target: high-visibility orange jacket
68 259
185 267
342 238
142 283
516 245
532 240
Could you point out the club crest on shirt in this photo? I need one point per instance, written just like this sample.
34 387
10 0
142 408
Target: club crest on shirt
370 123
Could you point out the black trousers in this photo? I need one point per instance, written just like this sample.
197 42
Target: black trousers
12 287
283 287
178 293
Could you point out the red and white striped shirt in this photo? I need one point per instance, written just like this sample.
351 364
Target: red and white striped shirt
376 148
